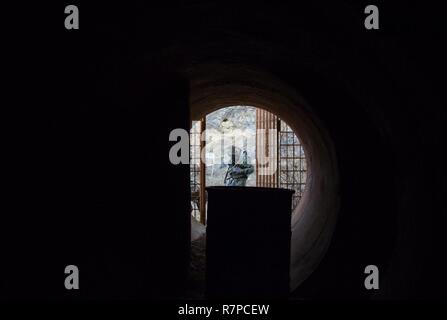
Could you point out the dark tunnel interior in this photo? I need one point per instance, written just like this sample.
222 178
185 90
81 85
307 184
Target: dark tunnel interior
92 184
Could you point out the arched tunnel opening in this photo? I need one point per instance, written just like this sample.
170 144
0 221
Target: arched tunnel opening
314 218
234 145
242 146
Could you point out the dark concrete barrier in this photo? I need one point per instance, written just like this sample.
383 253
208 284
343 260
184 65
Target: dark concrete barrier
105 175
248 242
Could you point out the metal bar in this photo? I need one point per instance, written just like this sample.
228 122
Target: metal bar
202 174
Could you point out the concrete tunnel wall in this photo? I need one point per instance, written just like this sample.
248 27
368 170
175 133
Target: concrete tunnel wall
373 100
369 95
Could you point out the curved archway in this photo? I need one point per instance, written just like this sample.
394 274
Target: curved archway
249 137
214 87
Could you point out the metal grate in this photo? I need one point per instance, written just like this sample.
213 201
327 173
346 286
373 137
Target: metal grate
195 168
293 165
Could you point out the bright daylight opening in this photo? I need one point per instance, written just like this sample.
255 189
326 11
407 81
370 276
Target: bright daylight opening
244 146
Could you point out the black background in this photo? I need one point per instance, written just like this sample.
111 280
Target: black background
67 90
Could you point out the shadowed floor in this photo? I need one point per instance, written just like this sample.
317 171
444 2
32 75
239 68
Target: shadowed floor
196 281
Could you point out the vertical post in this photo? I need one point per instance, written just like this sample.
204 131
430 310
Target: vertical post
256 147
202 196
266 148
278 151
262 153
233 152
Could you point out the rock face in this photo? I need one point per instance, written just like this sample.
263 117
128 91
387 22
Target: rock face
243 120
